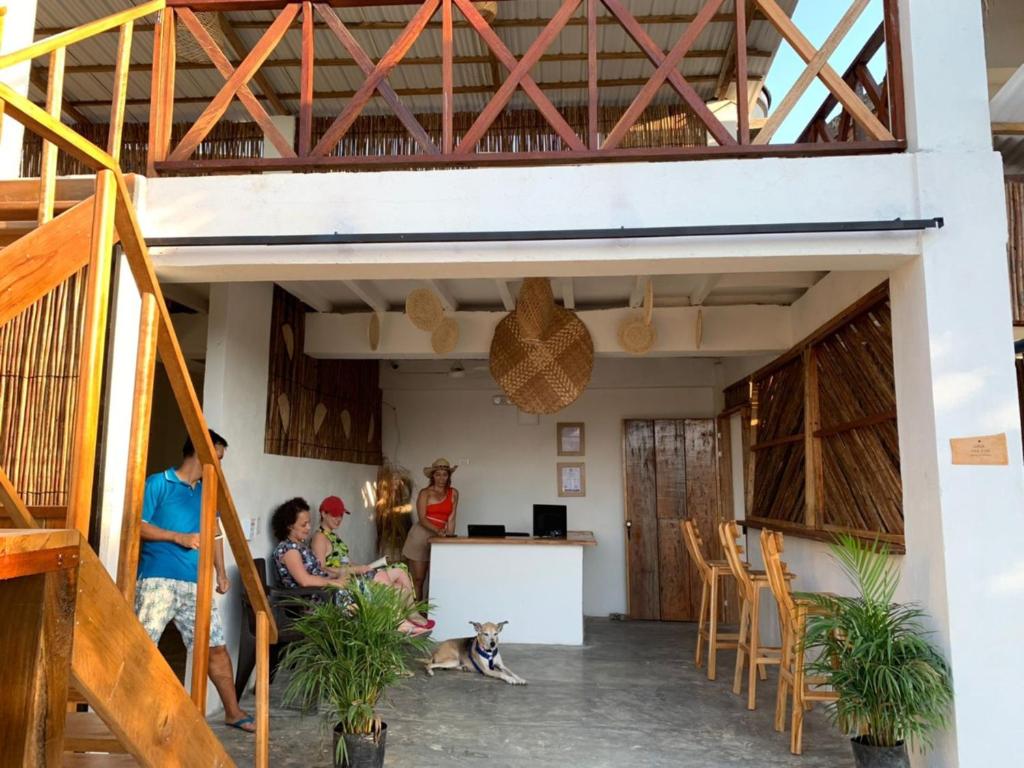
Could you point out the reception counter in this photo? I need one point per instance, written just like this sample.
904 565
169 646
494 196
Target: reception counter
536 585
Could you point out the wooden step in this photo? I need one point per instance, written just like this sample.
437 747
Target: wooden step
13 230
85 732
97 760
68 188
28 210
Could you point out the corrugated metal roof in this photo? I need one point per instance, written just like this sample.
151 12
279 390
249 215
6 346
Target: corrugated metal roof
204 83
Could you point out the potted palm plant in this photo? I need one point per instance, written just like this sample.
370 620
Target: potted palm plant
893 685
343 661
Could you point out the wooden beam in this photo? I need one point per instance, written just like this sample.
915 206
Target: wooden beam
520 76
120 94
593 58
241 76
241 51
812 71
138 448
43 259
48 160
443 291
402 112
405 40
245 95
91 356
368 294
1008 129
836 85
459 90
412 61
506 295
648 19
729 68
39 80
306 67
204 587
447 78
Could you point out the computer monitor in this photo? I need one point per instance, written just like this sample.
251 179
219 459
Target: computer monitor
549 521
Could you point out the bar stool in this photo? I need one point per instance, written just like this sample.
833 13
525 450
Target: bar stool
793 613
749 584
711 572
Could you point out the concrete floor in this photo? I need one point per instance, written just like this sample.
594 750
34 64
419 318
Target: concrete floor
629 697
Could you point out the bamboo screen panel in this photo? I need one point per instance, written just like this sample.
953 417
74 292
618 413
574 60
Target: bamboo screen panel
1015 246
38 387
779 482
318 409
226 141
859 439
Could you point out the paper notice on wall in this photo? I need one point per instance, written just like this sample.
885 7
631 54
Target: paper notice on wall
982 450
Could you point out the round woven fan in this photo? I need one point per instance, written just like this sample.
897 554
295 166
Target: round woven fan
445 337
547 375
373 332
534 308
424 309
636 334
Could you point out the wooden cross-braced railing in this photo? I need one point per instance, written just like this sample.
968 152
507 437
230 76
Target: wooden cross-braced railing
310 152
34 265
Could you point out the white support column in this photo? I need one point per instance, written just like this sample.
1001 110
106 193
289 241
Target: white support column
126 306
18 32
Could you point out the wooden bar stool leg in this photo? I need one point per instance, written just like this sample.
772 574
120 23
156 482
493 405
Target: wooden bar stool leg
796 737
713 626
782 693
755 649
701 620
737 682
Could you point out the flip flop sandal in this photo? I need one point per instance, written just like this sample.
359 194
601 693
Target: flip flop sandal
428 624
247 720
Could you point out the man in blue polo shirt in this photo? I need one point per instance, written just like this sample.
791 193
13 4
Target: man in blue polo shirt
169 567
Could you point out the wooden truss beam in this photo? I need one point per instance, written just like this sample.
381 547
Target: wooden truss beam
685 18
241 51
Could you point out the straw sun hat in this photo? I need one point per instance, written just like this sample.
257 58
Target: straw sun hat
440 464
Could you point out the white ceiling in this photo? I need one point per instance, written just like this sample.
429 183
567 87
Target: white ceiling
777 288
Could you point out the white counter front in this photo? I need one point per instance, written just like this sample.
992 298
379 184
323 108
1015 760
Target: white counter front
536 585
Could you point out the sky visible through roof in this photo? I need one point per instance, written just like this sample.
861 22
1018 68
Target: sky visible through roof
816 19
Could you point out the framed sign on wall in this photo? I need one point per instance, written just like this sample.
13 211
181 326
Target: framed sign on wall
572 478
571 437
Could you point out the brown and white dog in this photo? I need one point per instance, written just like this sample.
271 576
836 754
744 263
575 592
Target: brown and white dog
478 653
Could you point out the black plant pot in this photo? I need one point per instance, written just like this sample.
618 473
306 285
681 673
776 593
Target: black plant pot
869 756
362 750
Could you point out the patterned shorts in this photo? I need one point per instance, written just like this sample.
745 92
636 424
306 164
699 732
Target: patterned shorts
158 601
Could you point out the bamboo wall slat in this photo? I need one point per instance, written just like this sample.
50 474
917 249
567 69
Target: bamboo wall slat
856 390
519 130
318 409
1015 246
38 384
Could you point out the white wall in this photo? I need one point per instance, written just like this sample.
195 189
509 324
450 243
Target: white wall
235 397
505 467
18 32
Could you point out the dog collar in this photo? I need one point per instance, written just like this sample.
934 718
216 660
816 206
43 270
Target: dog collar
489 656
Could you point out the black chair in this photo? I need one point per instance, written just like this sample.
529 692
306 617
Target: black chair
284 611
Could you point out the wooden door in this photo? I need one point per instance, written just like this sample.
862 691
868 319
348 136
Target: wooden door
670 474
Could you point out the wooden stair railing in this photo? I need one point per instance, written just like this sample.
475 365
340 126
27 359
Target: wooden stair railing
115 666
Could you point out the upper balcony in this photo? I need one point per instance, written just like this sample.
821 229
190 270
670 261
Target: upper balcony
237 86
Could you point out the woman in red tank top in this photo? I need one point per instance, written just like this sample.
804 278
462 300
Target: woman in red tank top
436 506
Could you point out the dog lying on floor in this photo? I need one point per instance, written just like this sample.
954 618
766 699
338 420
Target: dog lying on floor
479 653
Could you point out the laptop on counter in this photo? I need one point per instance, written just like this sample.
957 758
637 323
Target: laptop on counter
482 531
549 521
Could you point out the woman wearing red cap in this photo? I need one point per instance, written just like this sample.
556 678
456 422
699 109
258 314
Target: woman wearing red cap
435 511
333 554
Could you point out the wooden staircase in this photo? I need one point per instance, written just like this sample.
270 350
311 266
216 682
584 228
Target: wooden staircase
65 624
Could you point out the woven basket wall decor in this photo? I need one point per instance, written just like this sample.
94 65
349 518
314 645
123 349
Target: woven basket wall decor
636 334
445 337
424 309
544 376
187 49
535 306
